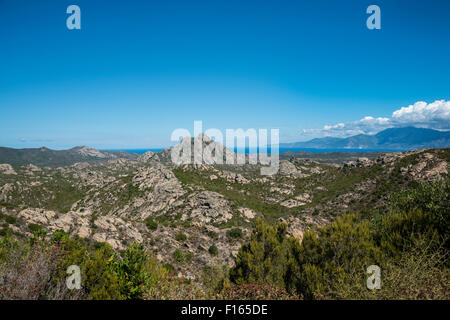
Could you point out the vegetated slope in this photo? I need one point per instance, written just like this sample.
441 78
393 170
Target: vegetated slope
44 157
194 217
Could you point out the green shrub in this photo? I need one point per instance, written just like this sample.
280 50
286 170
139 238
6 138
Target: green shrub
5 232
326 256
265 258
419 272
11 219
432 199
130 269
38 231
180 236
210 233
60 235
331 261
34 228
213 250
186 224
98 278
37 270
235 233
397 230
151 224
170 268
178 256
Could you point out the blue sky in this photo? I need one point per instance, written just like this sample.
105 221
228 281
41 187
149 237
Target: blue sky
137 70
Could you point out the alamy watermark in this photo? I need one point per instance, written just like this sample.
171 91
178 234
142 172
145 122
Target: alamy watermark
208 147
374 20
73 281
73 22
374 280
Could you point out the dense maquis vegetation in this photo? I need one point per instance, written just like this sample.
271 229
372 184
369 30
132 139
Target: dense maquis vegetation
37 270
409 243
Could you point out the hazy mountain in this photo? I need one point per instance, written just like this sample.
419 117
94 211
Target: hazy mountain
395 138
45 157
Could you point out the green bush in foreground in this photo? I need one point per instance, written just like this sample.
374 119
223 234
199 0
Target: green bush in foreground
265 258
130 269
37 270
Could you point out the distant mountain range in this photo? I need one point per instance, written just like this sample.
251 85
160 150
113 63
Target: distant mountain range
406 138
390 139
44 157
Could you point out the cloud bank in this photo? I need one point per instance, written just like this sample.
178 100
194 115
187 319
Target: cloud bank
434 115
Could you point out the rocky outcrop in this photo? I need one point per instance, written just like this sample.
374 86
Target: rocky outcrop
287 168
112 230
201 149
298 201
360 163
247 213
7 169
207 207
149 156
164 189
91 152
428 167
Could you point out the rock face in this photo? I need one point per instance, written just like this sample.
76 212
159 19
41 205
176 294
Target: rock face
90 152
164 188
428 168
112 230
207 207
233 177
148 156
247 213
288 168
360 163
291 203
201 149
298 169
299 200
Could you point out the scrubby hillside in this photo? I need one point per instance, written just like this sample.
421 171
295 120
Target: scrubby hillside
192 219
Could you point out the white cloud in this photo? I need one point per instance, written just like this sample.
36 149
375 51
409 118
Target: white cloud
434 115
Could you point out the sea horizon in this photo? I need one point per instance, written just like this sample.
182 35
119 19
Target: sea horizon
281 150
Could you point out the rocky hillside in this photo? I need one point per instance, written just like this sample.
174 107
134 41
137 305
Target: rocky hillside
193 216
45 157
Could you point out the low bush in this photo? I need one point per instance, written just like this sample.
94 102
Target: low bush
151 224
178 256
180 236
235 233
213 250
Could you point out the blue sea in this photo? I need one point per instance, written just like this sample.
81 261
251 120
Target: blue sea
281 150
